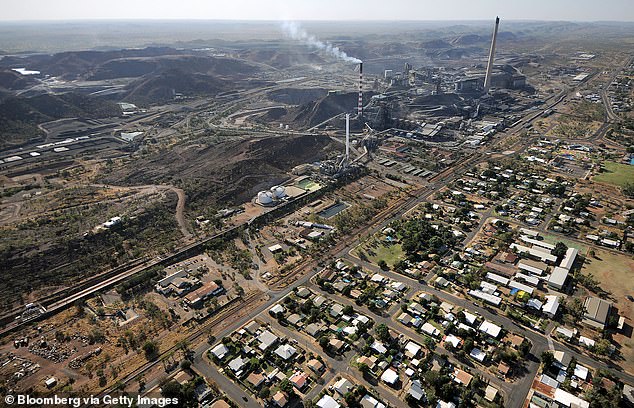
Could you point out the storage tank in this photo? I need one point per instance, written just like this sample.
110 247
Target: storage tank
278 191
265 197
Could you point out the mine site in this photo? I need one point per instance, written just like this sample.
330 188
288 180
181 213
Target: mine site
318 213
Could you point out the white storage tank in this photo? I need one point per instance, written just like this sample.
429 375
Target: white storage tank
278 191
265 197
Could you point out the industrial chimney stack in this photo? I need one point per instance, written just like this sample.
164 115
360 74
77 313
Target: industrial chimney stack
487 78
347 137
360 104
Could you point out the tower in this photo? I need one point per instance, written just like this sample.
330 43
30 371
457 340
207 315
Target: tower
360 102
487 78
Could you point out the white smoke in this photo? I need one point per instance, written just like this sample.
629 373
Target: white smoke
293 30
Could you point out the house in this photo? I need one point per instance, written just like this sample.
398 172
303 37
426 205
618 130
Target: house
220 351
316 365
453 340
368 401
389 376
50 382
255 379
285 351
491 393
558 277
478 354
503 369
319 301
314 329
412 349
379 347
336 310
551 306
252 327
336 344
277 310
569 400
198 296
294 319
369 361
443 404
462 377
343 386
327 402
428 328
236 364
299 380
490 329
280 399
597 312
569 258
267 340
416 390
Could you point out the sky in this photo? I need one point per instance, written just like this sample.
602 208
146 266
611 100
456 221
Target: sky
569 10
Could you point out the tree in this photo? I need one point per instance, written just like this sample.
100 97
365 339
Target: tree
560 249
151 350
186 364
348 310
264 392
547 359
383 265
382 332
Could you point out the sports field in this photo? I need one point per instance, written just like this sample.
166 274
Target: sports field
616 174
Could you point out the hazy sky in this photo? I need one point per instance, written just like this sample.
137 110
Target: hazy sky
573 10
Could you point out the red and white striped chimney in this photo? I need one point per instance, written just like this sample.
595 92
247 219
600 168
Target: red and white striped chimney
360 104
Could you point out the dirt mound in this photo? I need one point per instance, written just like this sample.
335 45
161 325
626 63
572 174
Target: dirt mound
19 116
164 86
314 113
11 80
296 96
229 172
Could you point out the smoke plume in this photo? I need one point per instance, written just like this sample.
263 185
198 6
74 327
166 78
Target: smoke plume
294 31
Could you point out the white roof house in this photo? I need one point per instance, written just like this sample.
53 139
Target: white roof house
389 376
520 286
478 354
469 317
497 278
327 402
551 305
285 351
487 297
558 278
236 364
379 347
569 259
453 340
266 339
490 329
412 348
369 401
220 351
430 329
569 400
343 386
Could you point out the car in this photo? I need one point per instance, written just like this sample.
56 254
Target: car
630 298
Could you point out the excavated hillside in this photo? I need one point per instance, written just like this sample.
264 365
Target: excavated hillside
224 173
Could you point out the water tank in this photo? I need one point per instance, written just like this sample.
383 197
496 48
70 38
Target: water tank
278 191
265 197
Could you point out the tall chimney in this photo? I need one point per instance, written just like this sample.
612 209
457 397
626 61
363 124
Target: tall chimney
360 104
487 78
347 137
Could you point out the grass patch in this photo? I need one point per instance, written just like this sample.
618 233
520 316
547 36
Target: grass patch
552 239
376 251
616 174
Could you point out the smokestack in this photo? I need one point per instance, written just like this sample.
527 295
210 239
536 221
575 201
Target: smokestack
347 136
487 78
360 104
